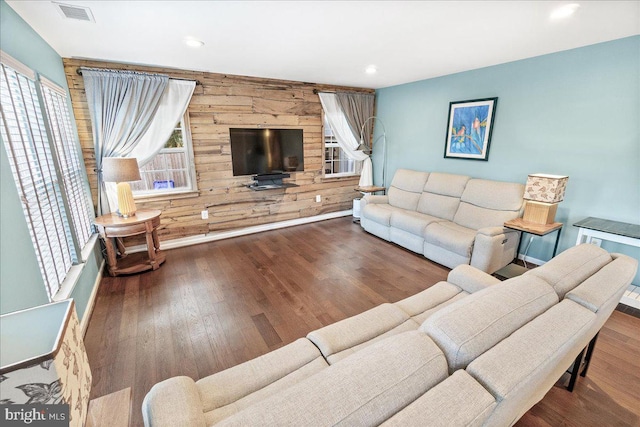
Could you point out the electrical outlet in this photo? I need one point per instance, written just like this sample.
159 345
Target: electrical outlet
597 242
205 214
318 198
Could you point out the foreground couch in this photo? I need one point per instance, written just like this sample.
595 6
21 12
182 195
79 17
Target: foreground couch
450 219
470 351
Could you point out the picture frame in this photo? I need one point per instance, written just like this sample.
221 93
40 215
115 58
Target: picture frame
469 129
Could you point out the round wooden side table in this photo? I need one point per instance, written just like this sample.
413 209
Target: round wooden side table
113 227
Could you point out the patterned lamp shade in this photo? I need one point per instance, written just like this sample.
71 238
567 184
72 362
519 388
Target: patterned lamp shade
43 360
546 188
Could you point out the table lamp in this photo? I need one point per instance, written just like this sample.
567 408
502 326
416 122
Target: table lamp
122 170
543 192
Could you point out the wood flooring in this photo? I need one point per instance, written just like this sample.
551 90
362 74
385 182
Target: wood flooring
214 305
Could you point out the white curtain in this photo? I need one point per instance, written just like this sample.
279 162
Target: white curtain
121 105
345 137
173 104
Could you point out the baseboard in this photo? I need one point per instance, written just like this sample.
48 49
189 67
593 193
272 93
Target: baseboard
531 260
84 323
220 235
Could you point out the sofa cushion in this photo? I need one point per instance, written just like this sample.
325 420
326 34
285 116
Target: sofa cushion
409 325
441 195
520 370
476 218
358 329
605 285
487 203
412 222
466 329
457 401
451 236
431 297
406 188
216 415
572 267
366 388
228 386
495 195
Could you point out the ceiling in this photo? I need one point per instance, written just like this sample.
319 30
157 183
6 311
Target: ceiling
330 42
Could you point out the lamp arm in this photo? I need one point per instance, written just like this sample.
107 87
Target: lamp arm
384 131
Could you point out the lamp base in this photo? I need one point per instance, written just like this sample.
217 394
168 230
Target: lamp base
540 212
126 204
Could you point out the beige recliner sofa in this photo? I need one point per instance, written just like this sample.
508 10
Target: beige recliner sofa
470 351
450 219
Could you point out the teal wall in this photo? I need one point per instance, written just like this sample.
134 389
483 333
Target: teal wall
21 285
574 113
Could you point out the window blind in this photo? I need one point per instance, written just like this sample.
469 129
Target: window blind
71 169
25 139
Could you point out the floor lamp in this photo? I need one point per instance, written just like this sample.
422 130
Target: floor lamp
364 146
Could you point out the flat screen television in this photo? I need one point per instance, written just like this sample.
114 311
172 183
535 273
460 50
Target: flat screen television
266 151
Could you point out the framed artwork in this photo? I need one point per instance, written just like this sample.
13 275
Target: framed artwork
469 129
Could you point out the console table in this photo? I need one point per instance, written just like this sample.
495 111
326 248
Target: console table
613 231
143 222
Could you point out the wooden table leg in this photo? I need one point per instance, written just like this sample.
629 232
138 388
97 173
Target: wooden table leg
112 260
151 251
121 248
156 242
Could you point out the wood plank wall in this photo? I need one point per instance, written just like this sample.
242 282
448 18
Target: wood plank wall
220 102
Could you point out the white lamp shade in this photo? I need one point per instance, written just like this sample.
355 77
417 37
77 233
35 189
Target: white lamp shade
120 169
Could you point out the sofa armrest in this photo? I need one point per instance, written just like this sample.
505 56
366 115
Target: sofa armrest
471 279
173 402
493 231
370 198
491 252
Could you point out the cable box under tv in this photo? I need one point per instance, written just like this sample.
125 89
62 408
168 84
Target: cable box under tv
270 176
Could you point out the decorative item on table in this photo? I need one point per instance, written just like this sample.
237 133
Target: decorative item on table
543 193
122 170
469 129
44 368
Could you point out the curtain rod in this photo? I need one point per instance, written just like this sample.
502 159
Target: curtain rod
317 91
79 71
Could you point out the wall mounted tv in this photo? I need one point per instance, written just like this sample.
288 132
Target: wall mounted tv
265 151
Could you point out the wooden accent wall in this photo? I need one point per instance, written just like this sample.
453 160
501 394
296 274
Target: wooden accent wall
220 102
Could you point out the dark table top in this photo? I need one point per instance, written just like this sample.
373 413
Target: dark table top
608 226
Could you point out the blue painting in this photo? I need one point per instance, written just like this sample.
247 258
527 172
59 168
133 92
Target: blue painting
469 129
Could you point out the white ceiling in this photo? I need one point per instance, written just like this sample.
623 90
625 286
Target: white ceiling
328 41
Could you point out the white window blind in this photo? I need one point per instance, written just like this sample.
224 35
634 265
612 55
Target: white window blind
32 164
62 134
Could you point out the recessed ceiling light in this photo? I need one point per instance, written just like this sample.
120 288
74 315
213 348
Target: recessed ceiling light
371 69
191 42
564 11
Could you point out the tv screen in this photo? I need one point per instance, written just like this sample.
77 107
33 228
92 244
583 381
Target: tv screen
259 151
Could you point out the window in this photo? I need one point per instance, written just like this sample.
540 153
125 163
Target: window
71 169
336 162
45 170
171 170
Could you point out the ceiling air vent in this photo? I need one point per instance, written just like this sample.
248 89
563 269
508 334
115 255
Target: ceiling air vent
79 13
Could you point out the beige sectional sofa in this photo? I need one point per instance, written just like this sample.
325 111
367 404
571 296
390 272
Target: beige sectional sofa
470 351
450 219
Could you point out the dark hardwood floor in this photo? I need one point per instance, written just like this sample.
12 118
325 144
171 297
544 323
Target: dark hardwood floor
215 305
